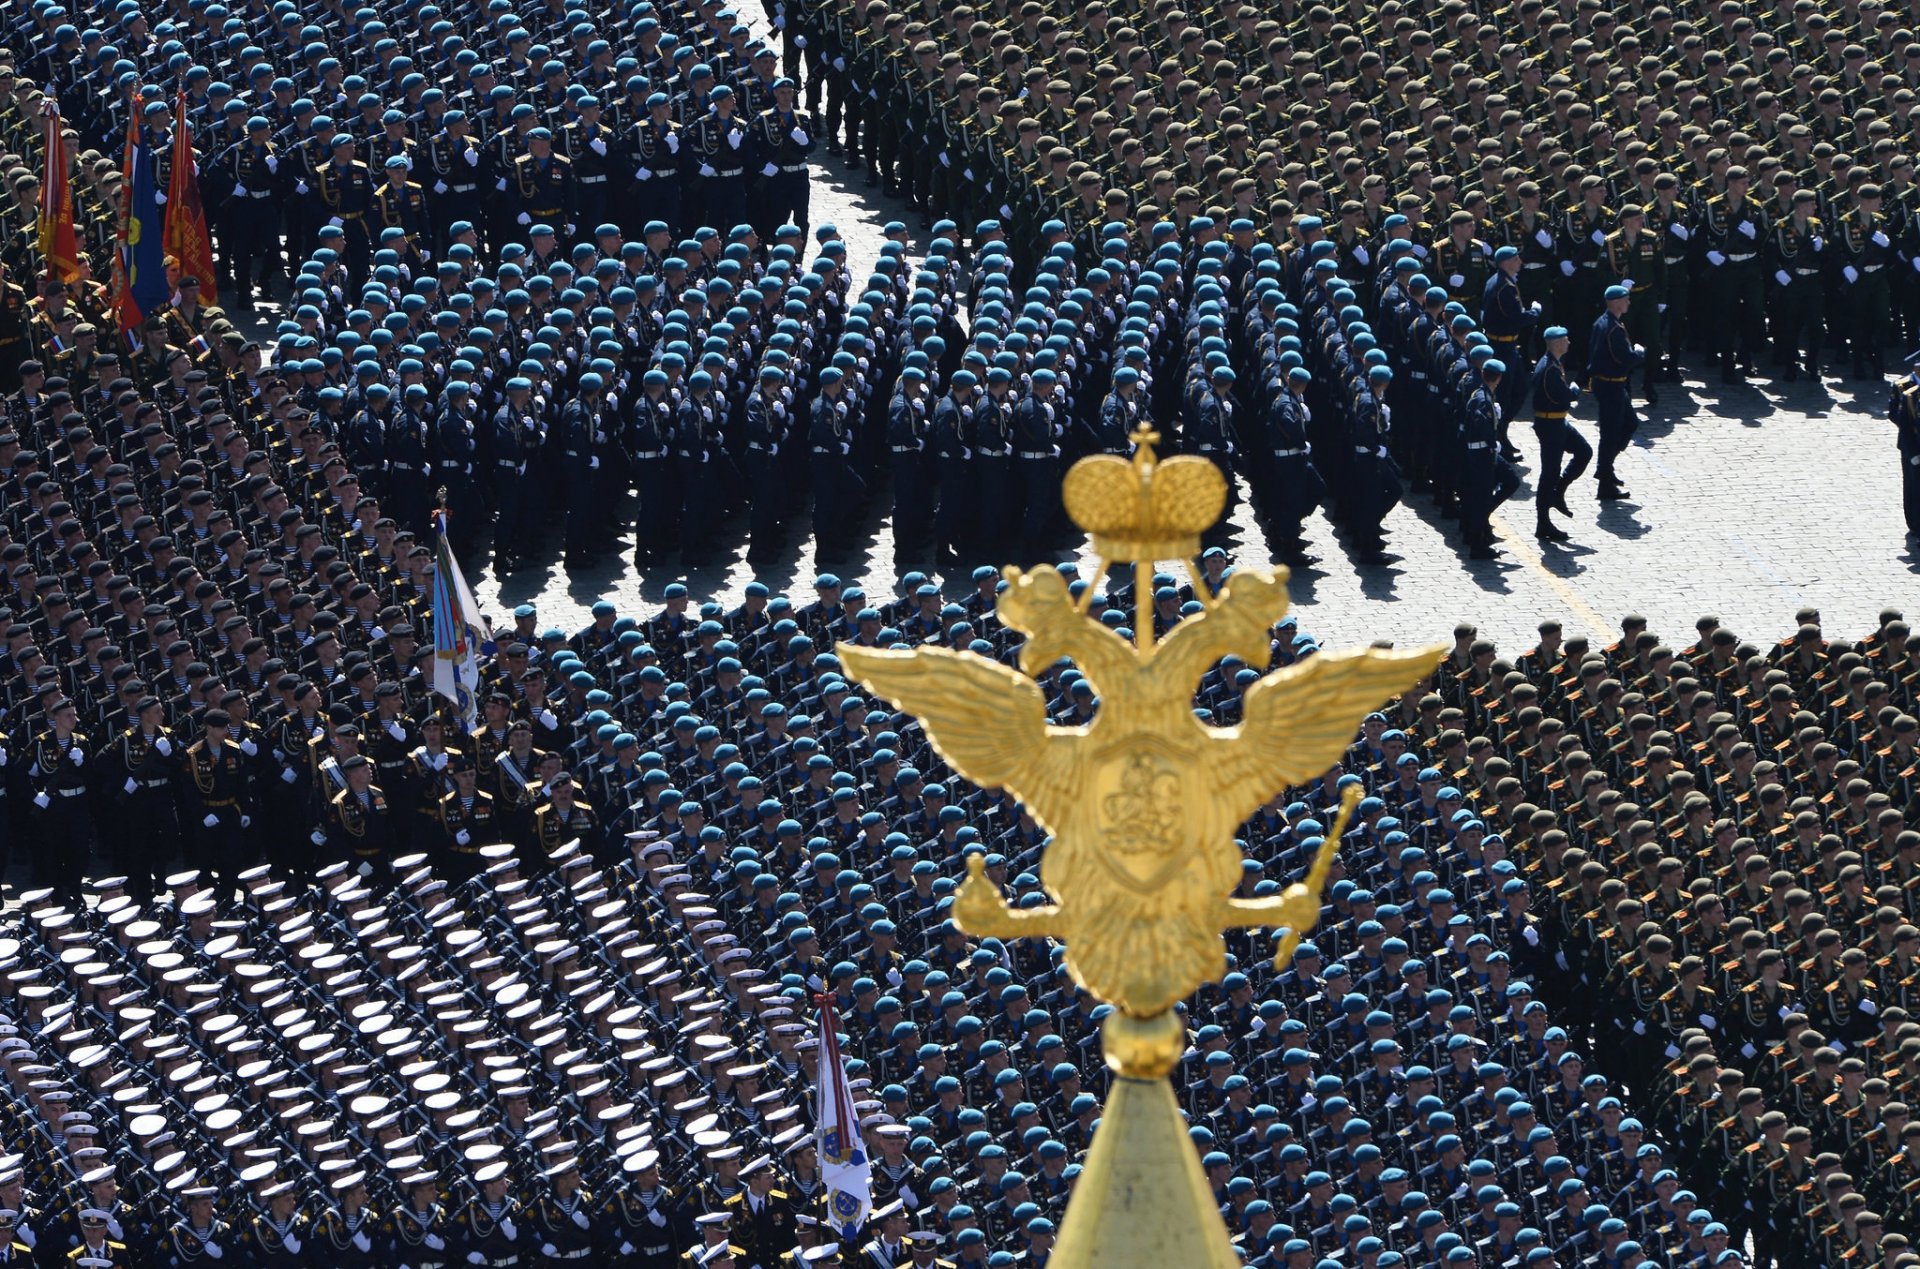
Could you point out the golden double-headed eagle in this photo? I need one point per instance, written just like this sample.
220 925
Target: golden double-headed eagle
1142 803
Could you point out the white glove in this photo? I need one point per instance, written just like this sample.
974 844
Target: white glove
1781 277
239 191
361 1240
1566 268
475 1258
501 185
439 187
1006 212
3 756
317 837
1746 227
1360 254
131 784
273 163
673 143
839 63
75 756
655 1219
506 1228
1819 244
1660 308
1850 273
1543 237
365 870
1869 1008
1627 282
42 801
246 821
944 160
771 169
1681 232
580 1219
549 1250
1715 259
642 174
524 219
289 776
799 41
291 1243
548 719
1598 236
160 198
733 140
165 747
472 157
213 1249
335 221
436 1242
250 747
799 136
706 169
393 729
463 837
598 145
1640 1026
1708 1021
626 1249
593 464
1457 279
211 820
1879 239
1534 308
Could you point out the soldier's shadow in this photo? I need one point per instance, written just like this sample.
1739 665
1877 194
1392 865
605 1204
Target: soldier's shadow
1744 403
1622 520
1563 559
1911 556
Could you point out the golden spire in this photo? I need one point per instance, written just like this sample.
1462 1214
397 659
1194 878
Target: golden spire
1142 805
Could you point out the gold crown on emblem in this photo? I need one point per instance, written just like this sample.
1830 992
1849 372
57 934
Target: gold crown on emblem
1143 508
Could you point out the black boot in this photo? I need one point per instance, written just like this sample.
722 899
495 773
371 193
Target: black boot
1728 374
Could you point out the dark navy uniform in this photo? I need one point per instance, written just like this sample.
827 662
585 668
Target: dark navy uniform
782 141
1611 358
1553 397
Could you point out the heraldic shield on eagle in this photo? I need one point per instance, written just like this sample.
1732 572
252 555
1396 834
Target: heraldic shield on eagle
1142 804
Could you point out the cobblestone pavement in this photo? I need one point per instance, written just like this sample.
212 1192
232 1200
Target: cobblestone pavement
1747 503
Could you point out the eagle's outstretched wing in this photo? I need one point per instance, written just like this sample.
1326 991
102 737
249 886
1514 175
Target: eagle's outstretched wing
988 721
1298 721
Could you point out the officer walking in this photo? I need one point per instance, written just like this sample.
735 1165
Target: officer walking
1611 358
1554 395
221 798
1036 453
650 454
1506 317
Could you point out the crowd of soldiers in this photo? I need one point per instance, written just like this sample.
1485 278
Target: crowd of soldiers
1327 250
1618 970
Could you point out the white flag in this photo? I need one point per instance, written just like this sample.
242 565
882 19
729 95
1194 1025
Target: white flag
843 1155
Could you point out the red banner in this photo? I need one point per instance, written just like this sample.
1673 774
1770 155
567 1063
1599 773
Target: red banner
59 245
187 239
